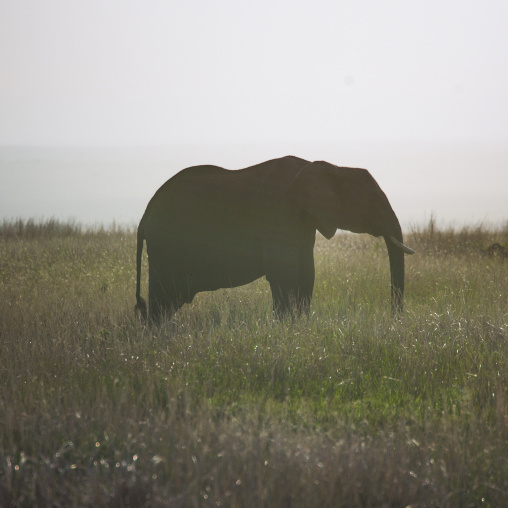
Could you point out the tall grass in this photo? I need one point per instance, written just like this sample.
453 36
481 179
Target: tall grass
223 406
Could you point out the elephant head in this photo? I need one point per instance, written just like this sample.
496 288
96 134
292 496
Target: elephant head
350 199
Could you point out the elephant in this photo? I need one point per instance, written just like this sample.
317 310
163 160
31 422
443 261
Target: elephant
208 228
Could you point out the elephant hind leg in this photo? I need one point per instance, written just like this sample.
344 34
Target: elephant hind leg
163 300
162 310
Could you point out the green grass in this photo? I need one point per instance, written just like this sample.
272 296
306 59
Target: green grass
223 406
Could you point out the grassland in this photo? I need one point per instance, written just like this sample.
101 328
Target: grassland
223 406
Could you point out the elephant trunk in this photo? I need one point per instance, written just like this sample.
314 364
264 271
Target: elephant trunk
396 257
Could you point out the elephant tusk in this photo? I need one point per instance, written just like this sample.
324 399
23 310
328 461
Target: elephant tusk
400 245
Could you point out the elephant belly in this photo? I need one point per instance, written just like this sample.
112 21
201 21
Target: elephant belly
210 269
198 266
195 255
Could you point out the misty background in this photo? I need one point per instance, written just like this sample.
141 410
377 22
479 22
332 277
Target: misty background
102 101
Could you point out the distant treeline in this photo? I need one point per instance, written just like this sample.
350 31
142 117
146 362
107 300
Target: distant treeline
36 228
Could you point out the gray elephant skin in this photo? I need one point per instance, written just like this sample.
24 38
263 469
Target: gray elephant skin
208 228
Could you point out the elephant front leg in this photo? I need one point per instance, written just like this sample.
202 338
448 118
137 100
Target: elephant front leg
306 276
283 300
292 283
289 301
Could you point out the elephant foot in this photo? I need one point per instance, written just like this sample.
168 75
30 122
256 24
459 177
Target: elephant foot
293 312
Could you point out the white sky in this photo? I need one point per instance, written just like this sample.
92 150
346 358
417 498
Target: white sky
160 72
415 91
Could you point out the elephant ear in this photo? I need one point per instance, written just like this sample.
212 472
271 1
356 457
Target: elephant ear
313 191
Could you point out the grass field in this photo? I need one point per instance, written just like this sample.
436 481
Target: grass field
223 406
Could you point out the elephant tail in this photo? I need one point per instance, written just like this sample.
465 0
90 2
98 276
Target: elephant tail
140 302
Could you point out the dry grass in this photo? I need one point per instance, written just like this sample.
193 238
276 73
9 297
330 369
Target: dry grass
225 407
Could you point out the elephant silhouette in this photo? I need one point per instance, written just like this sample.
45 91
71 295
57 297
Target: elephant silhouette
208 228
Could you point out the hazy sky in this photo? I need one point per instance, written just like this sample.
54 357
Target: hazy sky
415 91
169 71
